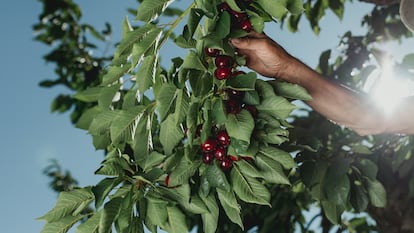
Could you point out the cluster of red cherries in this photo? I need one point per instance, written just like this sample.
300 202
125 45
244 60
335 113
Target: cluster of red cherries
239 20
215 147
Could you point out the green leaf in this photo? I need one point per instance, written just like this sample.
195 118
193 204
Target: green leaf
147 72
249 189
216 177
109 214
201 83
210 218
89 95
275 8
248 169
194 20
278 155
165 99
359 198
100 124
272 171
276 106
114 74
61 226
181 106
107 95
69 203
153 159
124 125
240 126
295 6
170 134
376 192
332 212
87 117
290 90
243 82
367 168
91 225
149 10
102 189
176 220
336 183
230 206
183 171
222 26
192 61
143 138
218 112
142 47
133 37
336 187
156 213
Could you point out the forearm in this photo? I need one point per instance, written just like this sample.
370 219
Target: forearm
338 104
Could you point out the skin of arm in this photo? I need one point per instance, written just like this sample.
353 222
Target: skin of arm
339 104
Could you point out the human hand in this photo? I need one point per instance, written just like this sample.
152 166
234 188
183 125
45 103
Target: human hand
264 55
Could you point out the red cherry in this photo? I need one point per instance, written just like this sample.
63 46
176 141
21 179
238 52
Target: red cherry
234 158
239 16
233 106
212 52
226 164
223 7
223 61
209 145
246 25
220 153
252 109
208 158
223 138
222 73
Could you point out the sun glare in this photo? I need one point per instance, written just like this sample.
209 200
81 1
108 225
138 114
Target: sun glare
387 89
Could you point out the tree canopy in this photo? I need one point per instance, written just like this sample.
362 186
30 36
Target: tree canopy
205 145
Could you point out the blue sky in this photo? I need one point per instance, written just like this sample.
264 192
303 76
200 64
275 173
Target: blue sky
31 135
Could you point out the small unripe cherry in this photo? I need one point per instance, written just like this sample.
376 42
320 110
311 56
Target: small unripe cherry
223 61
220 153
209 145
226 164
223 138
222 73
208 157
246 25
212 52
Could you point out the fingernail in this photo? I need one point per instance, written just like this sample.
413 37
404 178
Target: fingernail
235 41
